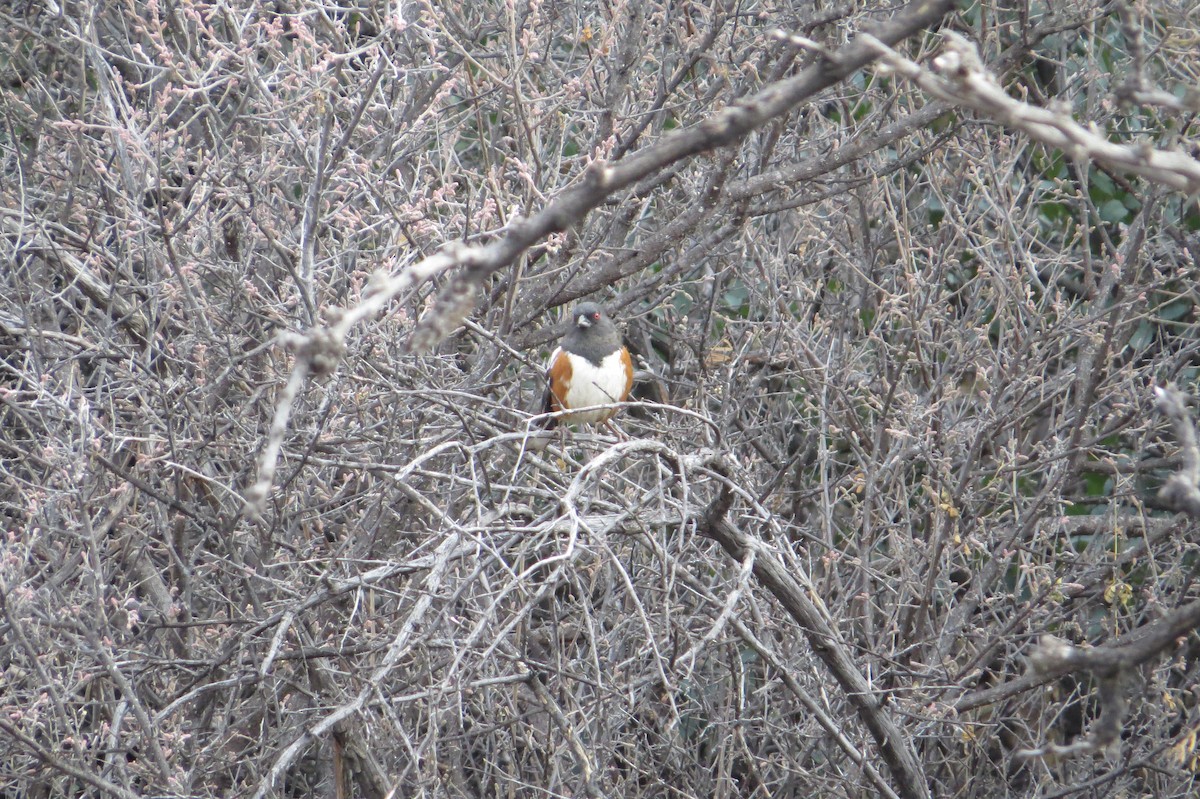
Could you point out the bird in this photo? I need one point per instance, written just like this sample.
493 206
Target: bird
590 366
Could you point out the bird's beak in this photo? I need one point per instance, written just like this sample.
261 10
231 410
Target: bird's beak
583 321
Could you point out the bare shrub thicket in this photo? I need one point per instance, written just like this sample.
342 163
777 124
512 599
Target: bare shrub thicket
901 281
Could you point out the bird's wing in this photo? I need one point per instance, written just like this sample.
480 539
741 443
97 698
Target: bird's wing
552 365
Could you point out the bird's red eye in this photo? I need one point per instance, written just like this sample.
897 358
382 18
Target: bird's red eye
596 316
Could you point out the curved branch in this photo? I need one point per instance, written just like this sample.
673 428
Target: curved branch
599 181
962 78
809 613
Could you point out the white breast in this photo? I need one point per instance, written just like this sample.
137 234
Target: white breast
595 385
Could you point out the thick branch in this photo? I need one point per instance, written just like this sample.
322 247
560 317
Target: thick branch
723 128
807 611
324 346
1054 658
961 78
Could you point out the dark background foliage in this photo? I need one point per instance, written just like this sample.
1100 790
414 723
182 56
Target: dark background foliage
899 350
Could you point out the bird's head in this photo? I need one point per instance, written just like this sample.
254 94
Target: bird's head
588 314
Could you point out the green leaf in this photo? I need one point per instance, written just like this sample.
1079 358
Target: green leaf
936 210
1096 485
736 297
1101 185
1142 337
1114 211
1175 310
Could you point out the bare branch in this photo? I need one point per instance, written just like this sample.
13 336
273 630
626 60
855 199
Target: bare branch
963 79
1182 489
